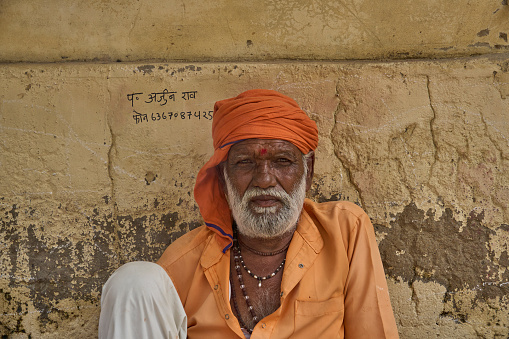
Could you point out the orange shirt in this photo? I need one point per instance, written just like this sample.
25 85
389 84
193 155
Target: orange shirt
333 283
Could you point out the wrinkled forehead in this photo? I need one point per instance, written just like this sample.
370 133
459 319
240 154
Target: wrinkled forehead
263 146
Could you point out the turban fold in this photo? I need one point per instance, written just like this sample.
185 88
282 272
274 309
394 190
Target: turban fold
254 114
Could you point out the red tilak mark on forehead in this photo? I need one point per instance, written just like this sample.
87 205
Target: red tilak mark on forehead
263 151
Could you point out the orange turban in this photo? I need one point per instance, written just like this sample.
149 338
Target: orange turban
254 114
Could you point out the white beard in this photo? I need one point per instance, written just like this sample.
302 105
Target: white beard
266 222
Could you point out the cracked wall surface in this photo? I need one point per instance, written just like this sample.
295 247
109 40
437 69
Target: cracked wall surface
98 163
227 30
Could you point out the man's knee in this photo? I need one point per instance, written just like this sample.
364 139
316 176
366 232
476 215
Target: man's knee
140 301
139 277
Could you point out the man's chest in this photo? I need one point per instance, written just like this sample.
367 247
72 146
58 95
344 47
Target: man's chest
308 293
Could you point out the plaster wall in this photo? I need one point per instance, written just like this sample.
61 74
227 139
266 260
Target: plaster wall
226 30
98 170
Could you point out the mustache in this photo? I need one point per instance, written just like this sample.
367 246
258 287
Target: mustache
275 192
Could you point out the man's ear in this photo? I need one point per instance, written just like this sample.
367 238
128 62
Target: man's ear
311 169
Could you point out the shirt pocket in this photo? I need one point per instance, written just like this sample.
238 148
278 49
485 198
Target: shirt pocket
319 319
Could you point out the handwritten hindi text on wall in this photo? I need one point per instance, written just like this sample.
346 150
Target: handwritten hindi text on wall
162 99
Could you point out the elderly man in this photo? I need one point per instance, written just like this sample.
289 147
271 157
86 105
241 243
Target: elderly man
268 263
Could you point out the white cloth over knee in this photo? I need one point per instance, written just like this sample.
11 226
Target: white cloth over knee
139 301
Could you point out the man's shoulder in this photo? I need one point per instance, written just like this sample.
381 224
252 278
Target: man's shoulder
341 220
188 247
331 208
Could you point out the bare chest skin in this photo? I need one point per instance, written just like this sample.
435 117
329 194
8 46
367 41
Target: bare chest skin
265 299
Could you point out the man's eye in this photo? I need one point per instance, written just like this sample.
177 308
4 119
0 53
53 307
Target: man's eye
283 161
244 161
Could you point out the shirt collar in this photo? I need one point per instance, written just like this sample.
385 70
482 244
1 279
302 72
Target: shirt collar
308 230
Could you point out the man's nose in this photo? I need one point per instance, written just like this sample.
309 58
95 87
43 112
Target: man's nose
264 175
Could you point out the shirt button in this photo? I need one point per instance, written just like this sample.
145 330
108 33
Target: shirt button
301 265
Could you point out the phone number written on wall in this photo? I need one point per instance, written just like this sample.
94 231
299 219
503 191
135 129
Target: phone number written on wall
162 99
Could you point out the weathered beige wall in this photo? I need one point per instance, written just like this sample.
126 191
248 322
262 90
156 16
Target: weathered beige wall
421 145
125 30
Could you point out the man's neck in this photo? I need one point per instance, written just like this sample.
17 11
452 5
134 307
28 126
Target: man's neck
267 244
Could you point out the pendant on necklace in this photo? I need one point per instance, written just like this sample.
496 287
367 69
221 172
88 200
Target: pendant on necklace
259 282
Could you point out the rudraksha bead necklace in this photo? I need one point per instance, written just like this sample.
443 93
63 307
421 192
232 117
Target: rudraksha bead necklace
265 254
236 308
238 257
239 262
243 289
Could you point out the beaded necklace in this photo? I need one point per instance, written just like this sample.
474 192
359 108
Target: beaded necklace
239 262
244 292
265 254
236 307
260 279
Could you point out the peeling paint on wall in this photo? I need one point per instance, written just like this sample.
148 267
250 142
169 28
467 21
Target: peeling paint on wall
95 172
